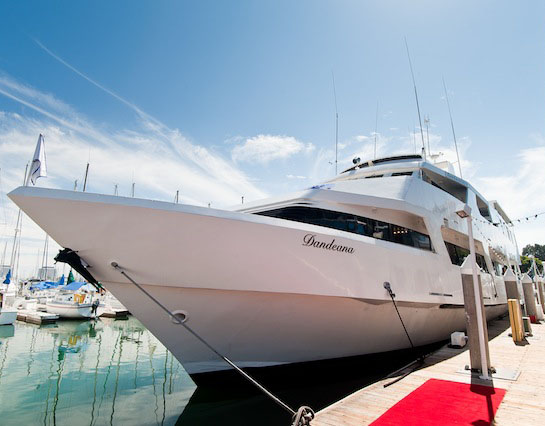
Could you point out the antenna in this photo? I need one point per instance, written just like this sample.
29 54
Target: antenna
243 199
414 138
376 128
176 198
115 189
132 190
85 179
336 122
416 97
427 123
452 126
76 185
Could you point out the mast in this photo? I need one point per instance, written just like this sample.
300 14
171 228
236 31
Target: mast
17 232
4 253
44 257
416 97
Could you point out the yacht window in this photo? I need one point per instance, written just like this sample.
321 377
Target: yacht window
452 187
355 224
374 176
483 208
402 174
498 268
458 255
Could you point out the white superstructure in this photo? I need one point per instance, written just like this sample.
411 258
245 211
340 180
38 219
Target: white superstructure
296 278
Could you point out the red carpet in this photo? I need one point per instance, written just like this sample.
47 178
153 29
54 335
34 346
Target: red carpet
441 402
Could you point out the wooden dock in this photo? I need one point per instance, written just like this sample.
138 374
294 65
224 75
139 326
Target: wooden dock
523 404
36 317
115 313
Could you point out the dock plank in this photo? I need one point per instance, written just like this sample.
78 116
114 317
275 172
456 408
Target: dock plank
524 402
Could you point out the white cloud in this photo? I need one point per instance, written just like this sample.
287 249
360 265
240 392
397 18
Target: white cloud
265 148
161 160
520 193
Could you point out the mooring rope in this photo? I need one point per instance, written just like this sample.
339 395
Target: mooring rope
392 295
301 417
419 359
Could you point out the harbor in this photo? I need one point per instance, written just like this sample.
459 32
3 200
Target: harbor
272 213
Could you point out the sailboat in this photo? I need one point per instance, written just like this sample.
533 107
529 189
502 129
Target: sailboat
75 300
8 314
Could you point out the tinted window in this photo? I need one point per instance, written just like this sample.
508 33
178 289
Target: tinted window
458 255
354 224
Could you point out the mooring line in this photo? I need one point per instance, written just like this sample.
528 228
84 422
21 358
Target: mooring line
301 417
392 295
420 359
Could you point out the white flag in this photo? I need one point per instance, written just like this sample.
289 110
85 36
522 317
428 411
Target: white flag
38 167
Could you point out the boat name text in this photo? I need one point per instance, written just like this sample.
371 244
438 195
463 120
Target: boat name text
310 240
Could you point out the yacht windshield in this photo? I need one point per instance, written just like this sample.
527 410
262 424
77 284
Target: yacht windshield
351 223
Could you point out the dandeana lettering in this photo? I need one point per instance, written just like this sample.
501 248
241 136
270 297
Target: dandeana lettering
310 240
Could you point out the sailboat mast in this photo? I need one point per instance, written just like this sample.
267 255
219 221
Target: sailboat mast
17 230
45 255
4 253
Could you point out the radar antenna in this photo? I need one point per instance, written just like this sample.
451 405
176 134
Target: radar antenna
416 97
452 126
376 129
336 122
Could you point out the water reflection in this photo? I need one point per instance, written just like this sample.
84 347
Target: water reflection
73 372
116 372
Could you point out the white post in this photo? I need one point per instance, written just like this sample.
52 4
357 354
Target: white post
480 316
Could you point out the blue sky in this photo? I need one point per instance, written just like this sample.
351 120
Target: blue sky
224 99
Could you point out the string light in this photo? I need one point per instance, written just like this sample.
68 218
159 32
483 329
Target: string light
527 218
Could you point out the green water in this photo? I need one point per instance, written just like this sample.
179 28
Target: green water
115 372
87 373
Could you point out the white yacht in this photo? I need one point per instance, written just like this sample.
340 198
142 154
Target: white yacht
296 278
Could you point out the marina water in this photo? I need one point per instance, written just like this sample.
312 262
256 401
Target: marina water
115 372
88 373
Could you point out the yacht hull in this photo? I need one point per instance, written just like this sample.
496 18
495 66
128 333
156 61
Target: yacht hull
262 291
257 329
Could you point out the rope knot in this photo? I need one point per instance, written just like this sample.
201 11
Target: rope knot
303 417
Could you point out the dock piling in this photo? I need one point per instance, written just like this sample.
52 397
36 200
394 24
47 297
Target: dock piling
470 305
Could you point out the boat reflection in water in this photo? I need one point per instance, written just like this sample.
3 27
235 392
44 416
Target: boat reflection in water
105 372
